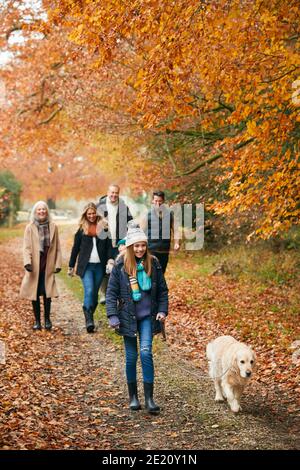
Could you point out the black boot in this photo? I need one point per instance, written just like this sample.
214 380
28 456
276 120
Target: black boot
37 314
150 404
134 403
47 310
89 320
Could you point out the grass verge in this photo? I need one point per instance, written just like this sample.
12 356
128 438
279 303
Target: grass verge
254 263
74 284
9 233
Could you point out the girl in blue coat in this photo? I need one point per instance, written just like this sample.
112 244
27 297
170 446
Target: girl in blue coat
136 303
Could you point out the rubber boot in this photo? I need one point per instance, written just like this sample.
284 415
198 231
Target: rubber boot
150 405
134 403
103 288
89 321
37 314
47 310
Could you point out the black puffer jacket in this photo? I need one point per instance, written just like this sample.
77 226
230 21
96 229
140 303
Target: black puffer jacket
119 299
82 248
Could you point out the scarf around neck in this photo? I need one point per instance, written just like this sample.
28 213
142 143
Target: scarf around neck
44 233
91 230
142 277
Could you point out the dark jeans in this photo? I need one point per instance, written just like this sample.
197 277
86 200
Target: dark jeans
91 283
163 259
145 335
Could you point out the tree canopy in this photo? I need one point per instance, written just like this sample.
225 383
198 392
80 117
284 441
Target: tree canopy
214 83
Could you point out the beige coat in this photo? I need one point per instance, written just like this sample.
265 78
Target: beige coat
31 255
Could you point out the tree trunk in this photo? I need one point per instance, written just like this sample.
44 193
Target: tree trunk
11 214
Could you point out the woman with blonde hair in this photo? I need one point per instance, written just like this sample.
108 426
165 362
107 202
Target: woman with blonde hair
42 259
92 250
136 303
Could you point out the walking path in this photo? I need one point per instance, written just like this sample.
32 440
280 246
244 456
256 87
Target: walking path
65 389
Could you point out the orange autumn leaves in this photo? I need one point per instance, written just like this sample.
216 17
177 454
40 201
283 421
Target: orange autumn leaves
226 70
185 59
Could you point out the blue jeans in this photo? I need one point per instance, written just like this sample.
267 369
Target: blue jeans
145 335
91 281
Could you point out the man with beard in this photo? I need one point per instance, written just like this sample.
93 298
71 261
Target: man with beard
159 228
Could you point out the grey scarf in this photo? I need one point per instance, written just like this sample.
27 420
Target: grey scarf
44 233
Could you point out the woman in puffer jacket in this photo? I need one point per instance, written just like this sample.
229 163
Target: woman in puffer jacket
137 303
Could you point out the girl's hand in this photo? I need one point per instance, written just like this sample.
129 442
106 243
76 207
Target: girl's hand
114 322
109 266
161 317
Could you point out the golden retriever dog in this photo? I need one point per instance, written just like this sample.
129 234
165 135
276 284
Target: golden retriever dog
230 366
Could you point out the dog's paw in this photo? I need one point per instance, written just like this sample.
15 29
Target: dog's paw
219 399
235 406
218 395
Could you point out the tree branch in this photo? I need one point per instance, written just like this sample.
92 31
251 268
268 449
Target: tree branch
52 116
170 156
17 27
226 106
281 76
213 158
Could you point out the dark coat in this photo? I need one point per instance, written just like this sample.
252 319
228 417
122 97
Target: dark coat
123 216
159 230
119 299
82 248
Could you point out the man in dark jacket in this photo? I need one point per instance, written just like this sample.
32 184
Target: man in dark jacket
114 209
159 228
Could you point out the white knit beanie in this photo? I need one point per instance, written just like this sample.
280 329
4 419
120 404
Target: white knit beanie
135 234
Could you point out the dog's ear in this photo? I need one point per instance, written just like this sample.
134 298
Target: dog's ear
234 365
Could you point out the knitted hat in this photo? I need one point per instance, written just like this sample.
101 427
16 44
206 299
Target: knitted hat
121 242
135 234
